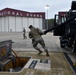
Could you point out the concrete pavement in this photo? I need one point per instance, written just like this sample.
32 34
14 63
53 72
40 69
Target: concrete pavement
52 42
20 44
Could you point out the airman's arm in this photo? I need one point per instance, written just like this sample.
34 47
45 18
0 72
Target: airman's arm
30 35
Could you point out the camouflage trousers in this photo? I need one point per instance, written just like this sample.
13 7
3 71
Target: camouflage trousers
41 42
24 36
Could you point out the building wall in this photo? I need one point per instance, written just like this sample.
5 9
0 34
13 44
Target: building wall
25 22
0 24
11 23
7 23
3 23
16 23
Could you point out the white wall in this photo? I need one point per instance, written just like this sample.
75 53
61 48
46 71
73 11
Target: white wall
40 23
36 22
18 24
6 23
31 22
0 24
12 23
3 22
25 23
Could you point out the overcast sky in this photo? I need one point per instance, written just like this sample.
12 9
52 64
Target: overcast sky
37 5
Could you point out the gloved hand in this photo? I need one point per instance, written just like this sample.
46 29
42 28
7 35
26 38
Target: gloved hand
44 32
32 41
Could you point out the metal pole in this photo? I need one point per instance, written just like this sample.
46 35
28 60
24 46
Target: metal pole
47 18
47 7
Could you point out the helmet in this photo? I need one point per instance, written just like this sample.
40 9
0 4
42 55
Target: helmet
30 26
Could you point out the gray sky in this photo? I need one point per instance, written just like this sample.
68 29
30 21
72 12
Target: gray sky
38 5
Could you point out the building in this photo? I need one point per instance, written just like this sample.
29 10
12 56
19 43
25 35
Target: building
62 16
12 20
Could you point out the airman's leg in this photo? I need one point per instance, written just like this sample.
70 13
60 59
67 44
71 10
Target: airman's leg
35 46
45 48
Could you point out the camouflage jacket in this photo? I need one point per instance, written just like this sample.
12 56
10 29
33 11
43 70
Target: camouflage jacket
35 33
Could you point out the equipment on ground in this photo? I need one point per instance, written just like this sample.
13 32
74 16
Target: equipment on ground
9 60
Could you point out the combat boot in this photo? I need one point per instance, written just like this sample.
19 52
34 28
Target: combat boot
47 54
39 52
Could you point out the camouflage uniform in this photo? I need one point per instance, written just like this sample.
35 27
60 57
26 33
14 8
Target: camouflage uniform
24 33
35 34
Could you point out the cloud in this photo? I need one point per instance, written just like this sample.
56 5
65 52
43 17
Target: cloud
37 5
